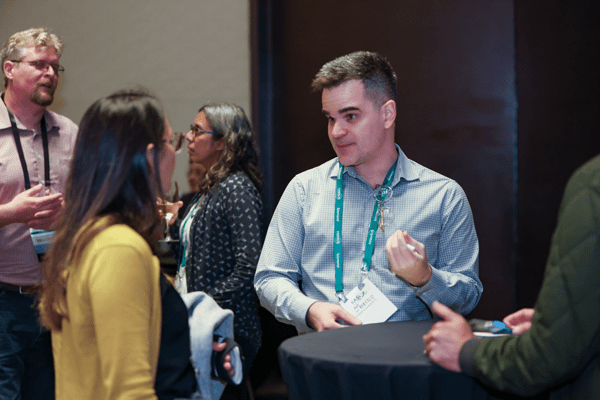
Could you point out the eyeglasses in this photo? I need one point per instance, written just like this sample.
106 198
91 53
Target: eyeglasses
177 141
197 131
42 65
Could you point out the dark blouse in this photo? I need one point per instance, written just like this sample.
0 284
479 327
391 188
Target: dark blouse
225 246
175 376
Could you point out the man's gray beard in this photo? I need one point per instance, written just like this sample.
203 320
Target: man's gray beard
42 99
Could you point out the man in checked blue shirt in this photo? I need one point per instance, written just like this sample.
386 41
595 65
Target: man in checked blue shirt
369 236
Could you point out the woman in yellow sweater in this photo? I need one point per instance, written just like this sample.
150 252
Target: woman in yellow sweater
102 284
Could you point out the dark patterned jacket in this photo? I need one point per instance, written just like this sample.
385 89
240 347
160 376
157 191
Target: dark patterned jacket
225 246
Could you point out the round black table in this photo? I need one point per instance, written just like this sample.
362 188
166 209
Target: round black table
376 361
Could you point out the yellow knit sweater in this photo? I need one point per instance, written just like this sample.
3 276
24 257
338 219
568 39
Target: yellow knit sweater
108 346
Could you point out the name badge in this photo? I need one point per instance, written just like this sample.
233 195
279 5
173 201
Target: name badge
368 303
41 239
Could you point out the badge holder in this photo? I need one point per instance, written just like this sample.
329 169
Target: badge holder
367 303
41 240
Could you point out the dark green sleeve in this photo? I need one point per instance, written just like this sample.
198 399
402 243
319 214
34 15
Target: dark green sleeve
564 341
467 355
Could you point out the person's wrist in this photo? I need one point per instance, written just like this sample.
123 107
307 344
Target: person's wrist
12 213
422 278
307 317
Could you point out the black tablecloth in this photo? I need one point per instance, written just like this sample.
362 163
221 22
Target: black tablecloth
376 361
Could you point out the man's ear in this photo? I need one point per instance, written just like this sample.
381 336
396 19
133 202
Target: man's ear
150 155
388 110
7 68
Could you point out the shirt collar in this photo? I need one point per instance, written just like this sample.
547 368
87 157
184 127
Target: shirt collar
5 120
405 169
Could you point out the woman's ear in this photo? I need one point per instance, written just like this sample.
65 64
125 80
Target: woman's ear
150 155
221 144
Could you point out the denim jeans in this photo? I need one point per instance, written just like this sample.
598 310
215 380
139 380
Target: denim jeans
26 365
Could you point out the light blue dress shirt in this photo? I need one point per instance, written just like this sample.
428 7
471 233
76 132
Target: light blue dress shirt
296 266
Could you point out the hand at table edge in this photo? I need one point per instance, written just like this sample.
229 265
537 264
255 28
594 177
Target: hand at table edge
445 338
322 316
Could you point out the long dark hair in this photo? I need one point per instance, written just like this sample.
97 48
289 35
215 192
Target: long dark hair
110 176
230 123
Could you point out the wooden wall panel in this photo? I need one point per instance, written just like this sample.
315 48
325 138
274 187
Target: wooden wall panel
456 109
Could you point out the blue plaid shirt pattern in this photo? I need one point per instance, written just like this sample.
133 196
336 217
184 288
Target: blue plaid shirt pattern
296 266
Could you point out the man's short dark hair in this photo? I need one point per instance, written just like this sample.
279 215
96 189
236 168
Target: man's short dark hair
371 68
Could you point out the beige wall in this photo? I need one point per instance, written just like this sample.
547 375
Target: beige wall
187 52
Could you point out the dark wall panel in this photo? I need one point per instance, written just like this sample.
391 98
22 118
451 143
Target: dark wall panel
458 63
558 81
456 109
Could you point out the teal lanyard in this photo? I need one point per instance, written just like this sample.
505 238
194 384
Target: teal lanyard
337 239
184 233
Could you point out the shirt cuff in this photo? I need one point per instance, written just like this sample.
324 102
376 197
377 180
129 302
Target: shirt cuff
300 313
435 282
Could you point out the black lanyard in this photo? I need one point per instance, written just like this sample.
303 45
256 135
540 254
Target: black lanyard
15 131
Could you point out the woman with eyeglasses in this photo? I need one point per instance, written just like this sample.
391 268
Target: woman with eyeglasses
104 295
221 230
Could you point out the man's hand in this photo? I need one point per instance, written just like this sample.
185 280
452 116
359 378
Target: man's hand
410 265
519 321
216 346
322 316
37 212
444 340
